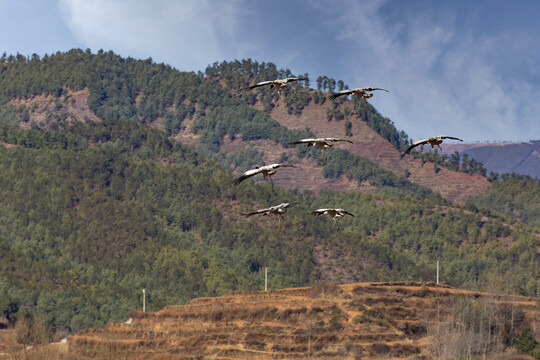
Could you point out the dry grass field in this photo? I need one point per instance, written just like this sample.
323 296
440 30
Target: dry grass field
404 320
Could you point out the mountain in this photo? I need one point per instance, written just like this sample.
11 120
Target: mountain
505 157
405 320
117 175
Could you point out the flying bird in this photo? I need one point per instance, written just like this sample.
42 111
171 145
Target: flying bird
280 84
360 93
278 210
321 143
433 141
334 213
267 171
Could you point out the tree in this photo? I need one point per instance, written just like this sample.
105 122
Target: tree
525 341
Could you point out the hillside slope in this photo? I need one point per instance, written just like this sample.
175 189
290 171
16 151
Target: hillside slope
206 110
353 321
97 199
452 185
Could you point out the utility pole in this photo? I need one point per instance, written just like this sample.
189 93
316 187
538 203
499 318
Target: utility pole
143 300
265 278
437 272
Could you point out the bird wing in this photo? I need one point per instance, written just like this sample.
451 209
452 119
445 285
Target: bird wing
262 83
319 212
261 211
246 175
341 93
302 141
415 144
271 166
286 205
275 166
345 212
282 206
334 139
294 79
373 89
448 137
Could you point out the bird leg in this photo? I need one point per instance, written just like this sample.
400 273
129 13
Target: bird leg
358 109
442 154
335 221
365 104
321 160
281 218
278 97
271 182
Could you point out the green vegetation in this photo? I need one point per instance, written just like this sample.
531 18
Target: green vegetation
143 91
239 74
517 196
91 213
525 341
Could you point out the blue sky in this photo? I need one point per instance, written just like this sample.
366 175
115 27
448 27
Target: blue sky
463 68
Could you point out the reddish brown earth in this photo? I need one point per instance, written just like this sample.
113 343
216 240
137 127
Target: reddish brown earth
327 321
43 108
454 186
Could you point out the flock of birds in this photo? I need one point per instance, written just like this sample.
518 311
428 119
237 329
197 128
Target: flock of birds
323 144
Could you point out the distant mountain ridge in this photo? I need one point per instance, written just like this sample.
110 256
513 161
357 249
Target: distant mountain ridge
505 157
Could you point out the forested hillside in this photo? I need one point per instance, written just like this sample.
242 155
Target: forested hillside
161 96
92 210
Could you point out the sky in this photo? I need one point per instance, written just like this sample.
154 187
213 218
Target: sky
469 69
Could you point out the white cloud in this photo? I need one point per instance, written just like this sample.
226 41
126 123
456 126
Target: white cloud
442 79
188 33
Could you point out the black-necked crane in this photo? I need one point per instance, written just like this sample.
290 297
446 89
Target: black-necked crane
433 141
267 171
280 84
360 93
278 210
334 213
321 143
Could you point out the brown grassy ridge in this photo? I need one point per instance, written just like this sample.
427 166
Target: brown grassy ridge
399 320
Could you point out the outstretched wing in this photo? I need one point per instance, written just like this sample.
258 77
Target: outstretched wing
415 144
373 89
295 79
262 83
285 205
246 175
346 212
341 93
334 139
261 211
319 212
302 141
448 137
